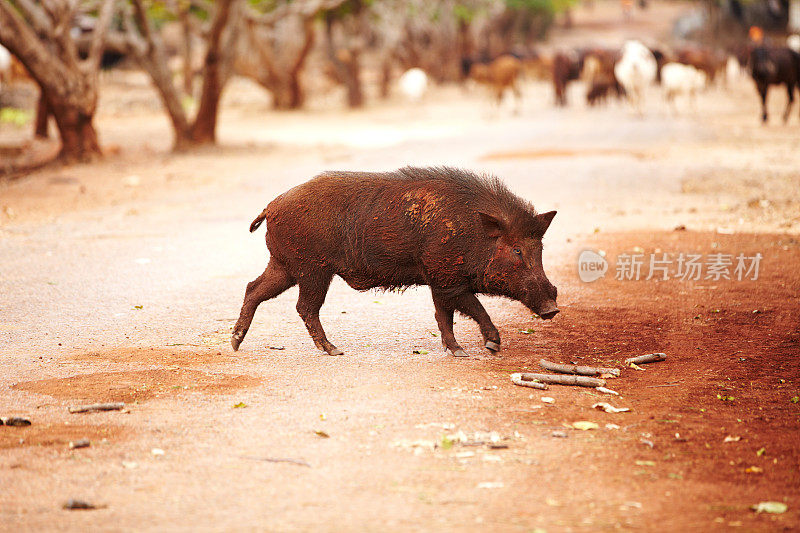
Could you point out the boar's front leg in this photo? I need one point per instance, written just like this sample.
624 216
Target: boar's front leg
313 288
271 283
445 307
469 304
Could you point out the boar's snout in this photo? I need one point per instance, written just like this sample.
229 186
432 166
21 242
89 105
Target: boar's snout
548 310
546 306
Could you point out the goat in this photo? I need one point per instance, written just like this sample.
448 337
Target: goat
598 73
679 79
413 84
499 74
775 66
636 71
793 42
703 59
5 65
566 68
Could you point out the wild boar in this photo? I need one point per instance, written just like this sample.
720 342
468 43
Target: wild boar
457 232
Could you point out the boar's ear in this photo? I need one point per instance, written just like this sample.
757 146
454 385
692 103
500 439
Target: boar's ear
492 226
543 221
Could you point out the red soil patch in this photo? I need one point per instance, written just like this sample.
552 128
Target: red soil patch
159 356
136 386
732 369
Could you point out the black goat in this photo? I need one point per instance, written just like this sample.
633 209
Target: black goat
775 66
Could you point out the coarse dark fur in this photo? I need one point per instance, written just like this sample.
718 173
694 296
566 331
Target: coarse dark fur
457 232
775 66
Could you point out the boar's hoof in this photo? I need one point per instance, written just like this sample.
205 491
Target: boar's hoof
236 340
335 351
493 346
458 353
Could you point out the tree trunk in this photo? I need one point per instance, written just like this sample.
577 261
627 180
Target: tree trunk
69 86
188 67
204 129
42 117
78 136
346 66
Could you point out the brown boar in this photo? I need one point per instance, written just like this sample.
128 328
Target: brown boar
459 233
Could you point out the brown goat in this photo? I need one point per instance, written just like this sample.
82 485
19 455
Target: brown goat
500 74
702 59
565 70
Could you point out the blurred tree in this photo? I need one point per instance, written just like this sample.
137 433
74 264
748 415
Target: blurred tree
41 36
141 24
346 35
436 36
275 41
517 24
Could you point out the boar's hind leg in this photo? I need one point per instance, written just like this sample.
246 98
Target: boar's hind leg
445 307
313 288
268 285
469 304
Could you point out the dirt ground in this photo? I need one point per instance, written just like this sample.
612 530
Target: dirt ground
121 281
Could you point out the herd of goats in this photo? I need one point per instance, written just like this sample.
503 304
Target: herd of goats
625 73
621 73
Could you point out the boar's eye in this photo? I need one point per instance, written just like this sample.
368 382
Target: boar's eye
517 251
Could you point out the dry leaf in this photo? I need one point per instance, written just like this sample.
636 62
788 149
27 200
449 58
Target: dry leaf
608 408
770 507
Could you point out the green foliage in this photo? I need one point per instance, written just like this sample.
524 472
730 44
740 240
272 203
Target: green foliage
540 6
17 117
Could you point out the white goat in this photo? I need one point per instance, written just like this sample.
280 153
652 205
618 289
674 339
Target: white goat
793 42
678 79
5 65
413 84
636 71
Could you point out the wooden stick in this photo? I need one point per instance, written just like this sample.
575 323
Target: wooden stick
560 379
649 358
116 406
516 379
581 370
277 460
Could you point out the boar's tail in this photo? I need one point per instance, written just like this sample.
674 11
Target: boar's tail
259 219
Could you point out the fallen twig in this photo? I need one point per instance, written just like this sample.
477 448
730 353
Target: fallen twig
115 406
649 358
574 369
673 384
560 379
277 460
516 379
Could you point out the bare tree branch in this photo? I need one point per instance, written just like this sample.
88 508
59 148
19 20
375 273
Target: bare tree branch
37 16
99 38
149 50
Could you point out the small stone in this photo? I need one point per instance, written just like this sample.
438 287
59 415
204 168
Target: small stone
78 505
547 399
559 434
132 181
157 452
16 421
82 443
